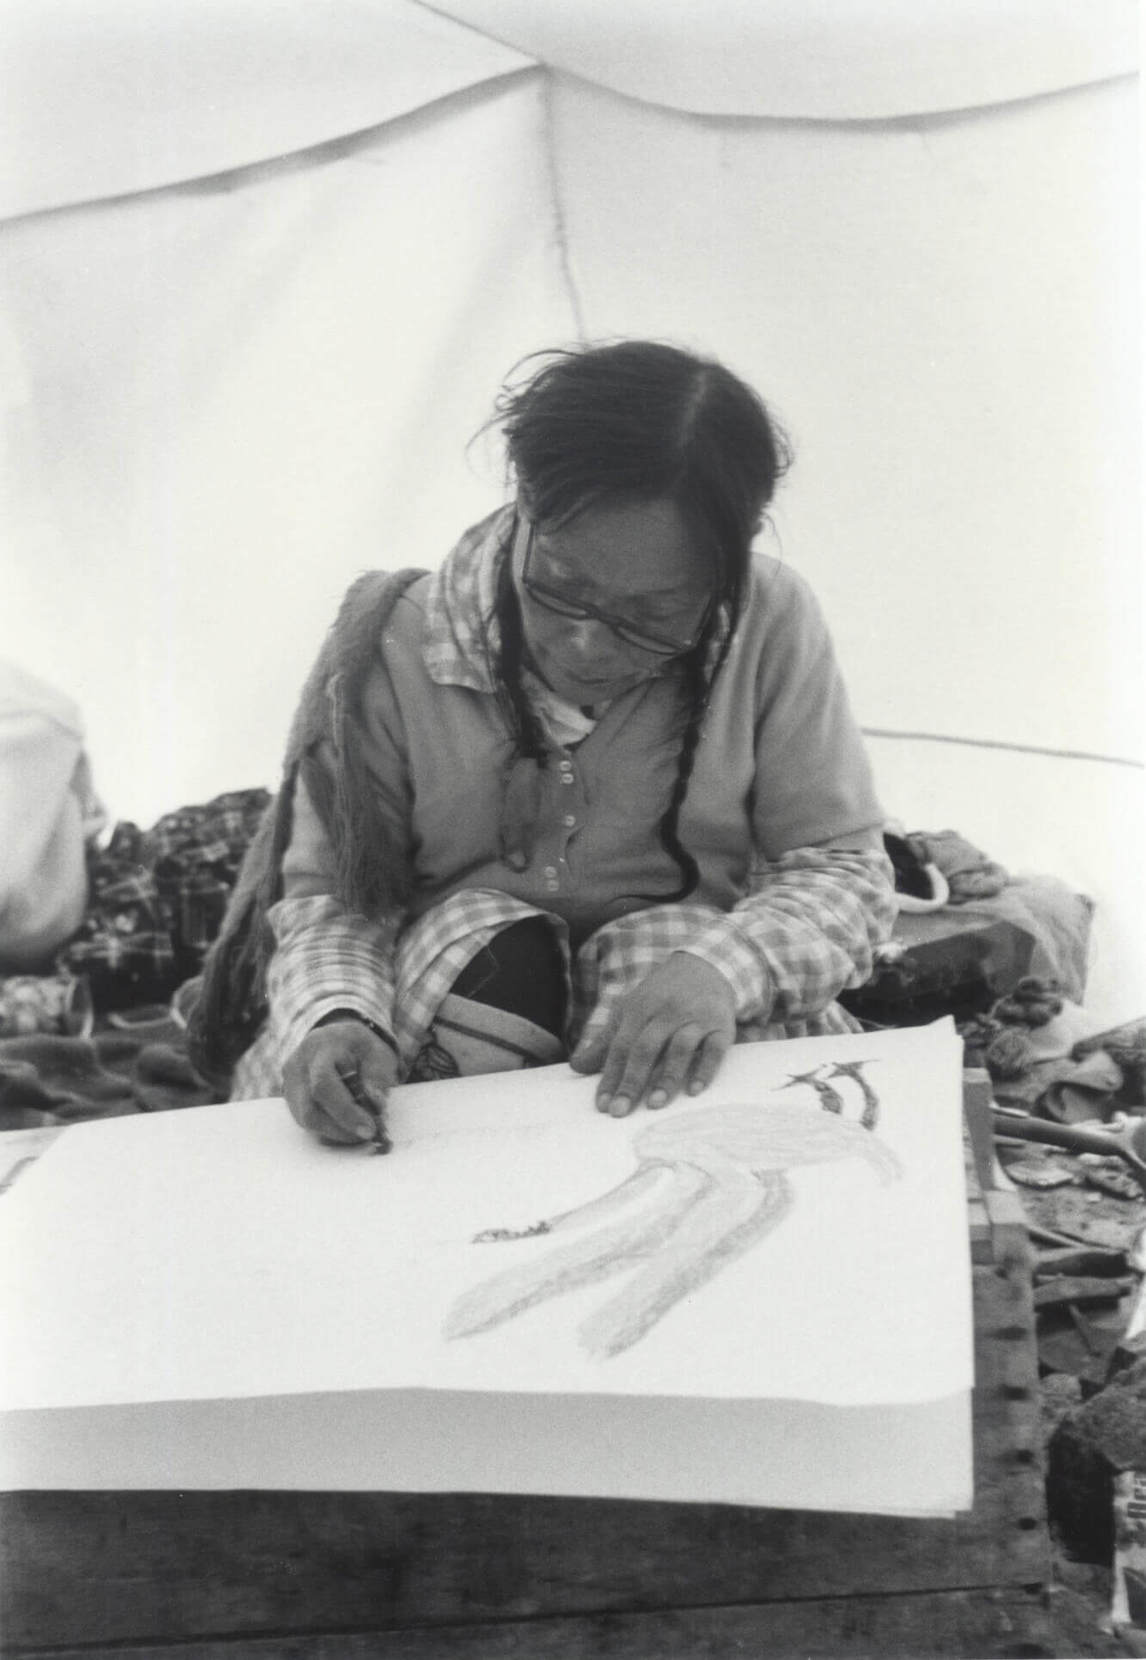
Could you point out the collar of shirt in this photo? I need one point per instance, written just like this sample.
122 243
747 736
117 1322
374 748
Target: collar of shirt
462 636
565 723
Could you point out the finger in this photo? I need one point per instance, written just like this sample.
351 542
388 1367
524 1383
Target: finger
590 1052
330 1134
377 1111
588 1059
375 1077
612 1068
675 1065
331 1091
707 1062
304 1111
636 1069
318 1122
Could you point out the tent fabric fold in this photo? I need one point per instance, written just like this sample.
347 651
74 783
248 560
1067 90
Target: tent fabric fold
110 98
817 59
107 98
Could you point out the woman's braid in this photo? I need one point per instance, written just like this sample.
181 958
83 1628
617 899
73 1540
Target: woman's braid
698 685
527 729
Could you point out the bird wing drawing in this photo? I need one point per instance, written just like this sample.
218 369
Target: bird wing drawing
710 1183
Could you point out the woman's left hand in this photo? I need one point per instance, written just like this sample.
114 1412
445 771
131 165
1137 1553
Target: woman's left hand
670 1033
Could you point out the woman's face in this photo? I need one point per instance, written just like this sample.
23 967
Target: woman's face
633 565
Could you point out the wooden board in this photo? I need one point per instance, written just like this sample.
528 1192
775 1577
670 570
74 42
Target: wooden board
468 1575
954 1625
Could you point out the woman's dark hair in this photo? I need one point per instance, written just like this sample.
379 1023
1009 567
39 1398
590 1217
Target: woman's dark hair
641 421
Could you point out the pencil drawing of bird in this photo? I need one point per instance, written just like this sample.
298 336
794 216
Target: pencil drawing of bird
710 1183
830 1099
854 1070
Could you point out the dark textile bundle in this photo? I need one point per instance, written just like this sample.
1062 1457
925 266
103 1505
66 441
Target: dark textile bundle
371 873
123 948
196 854
50 1078
156 899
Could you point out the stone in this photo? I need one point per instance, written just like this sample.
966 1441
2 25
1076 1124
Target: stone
1091 1444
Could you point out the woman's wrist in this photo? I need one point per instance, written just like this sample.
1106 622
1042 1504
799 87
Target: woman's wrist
333 1015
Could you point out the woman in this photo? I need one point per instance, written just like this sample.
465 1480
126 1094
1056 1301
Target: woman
599 771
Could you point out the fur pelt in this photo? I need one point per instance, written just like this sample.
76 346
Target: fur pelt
371 872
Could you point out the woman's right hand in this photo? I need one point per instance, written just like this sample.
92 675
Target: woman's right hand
337 1080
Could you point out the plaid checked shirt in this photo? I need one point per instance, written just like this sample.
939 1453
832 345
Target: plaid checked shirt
155 899
806 928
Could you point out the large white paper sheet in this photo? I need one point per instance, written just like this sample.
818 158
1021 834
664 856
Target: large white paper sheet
220 1255
221 1252
906 1460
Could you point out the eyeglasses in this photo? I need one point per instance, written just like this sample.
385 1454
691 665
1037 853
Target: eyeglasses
562 605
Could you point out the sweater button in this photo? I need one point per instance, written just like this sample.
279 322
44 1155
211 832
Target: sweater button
569 820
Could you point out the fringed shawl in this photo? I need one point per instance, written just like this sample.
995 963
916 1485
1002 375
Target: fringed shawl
371 872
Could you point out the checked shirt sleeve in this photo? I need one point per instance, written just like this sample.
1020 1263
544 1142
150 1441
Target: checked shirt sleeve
327 958
806 931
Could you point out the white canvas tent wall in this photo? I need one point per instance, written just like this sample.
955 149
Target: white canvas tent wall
263 264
